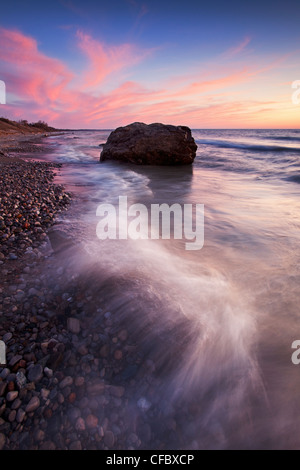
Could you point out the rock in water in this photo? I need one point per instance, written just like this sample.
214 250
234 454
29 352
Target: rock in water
153 144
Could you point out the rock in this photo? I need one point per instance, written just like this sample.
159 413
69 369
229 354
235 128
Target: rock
75 445
118 354
47 445
109 439
33 404
11 396
95 388
16 404
20 379
117 391
59 240
5 372
153 144
143 404
39 435
7 337
48 372
14 360
79 381
66 382
122 335
44 393
2 440
73 325
2 388
91 421
20 415
80 425
35 373
12 416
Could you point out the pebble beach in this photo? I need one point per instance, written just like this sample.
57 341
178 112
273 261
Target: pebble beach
74 377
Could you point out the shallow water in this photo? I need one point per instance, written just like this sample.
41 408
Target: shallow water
220 321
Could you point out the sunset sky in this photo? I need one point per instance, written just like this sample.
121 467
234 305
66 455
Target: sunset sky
101 64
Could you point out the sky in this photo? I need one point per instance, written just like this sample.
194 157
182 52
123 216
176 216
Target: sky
87 64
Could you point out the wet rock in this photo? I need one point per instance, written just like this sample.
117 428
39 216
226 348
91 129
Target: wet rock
153 144
2 440
48 372
66 382
48 445
109 439
75 445
11 396
20 379
35 373
80 425
33 404
117 391
39 435
73 325
14 360
91 421
95 388
20 415
79 381
143 404
3 386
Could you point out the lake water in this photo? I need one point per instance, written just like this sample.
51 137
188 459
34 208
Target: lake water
223 317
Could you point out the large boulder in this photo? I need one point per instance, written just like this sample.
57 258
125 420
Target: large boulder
153 144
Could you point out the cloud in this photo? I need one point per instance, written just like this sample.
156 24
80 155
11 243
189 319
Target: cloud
238 48
105 60
99 94
29 73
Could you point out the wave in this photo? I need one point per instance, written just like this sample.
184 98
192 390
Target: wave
253 147
294 179
284 138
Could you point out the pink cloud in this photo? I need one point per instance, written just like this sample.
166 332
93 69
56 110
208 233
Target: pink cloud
35 75
45 88
105 60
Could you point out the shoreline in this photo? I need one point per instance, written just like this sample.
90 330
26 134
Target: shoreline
76 377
